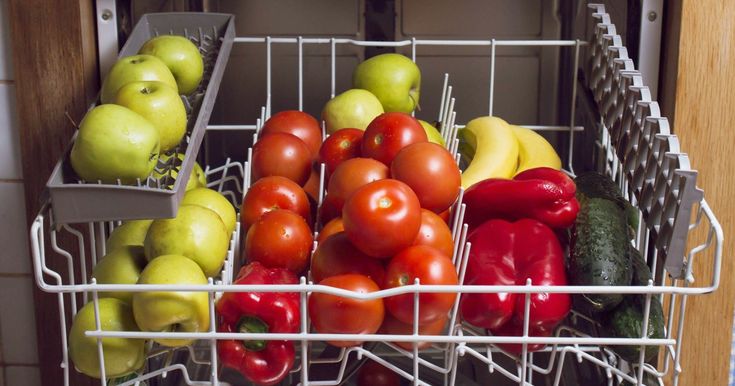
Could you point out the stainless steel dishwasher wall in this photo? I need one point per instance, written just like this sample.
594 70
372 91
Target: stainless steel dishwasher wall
526 76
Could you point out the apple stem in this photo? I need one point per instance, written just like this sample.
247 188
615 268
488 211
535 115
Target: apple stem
253 325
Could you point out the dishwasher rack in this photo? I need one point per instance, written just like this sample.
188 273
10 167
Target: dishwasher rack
625 137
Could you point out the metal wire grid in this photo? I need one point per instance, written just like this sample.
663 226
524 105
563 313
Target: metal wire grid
460 339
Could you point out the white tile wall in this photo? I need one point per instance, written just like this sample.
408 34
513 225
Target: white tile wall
10 165
6 64
18 348
14 235
17 320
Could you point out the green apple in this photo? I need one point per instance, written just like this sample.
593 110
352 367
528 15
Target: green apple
120 266
131 232
114 142
354 108
173 311
123 356
215 201
181 56
197 178
160 104
433 133
196 232
393 78
134 69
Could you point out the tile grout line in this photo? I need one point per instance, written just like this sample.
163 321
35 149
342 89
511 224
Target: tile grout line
15 274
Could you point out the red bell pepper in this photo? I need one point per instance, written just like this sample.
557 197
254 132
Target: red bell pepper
261 362
544 194
505 253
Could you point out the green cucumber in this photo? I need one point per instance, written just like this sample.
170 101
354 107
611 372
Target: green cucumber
626 320
597 185
600 250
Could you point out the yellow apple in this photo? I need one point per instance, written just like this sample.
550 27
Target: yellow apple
161 105
131 232
120 266
123 356
215 201
181 56
196 232
114 142
133 69
173 311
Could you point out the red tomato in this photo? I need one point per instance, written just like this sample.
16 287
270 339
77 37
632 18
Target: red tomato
337 256
430 266
328 211
435 232
342 145
446 216
333 226
332 314
281 154
297 123
431 171
382 217
311 187
274 192
373 373
353 174
388 133
393 326
280 239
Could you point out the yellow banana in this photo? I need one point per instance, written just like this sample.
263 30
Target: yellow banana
495 150
534 150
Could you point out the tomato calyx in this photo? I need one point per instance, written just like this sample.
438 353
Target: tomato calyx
378 139
385 202
404 280
252 325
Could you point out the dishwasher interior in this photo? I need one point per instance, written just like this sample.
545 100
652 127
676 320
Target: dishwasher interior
546 65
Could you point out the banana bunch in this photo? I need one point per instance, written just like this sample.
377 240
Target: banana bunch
492 148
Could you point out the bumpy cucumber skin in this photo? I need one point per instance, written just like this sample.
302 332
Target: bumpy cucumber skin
599 253
596 185
626 320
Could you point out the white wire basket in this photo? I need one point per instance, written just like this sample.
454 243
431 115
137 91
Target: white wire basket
622 132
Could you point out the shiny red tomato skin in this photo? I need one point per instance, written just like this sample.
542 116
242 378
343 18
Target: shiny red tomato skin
352 174
382 218
335 225
431 171
328 211
393 326
388 133
373 373
311 187
342 145
446 216
342 315
337 256
274 192
280 239
281 154
434 232
430 266
297 123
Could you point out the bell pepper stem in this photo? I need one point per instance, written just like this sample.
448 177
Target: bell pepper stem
252 325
